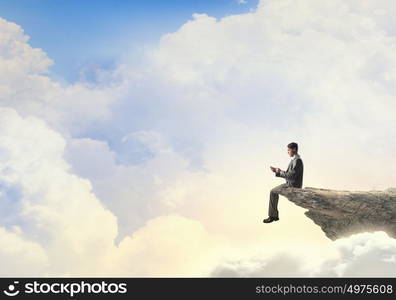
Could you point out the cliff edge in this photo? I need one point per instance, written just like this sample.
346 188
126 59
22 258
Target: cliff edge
342 213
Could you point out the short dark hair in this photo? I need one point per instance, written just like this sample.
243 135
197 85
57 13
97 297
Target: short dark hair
293 146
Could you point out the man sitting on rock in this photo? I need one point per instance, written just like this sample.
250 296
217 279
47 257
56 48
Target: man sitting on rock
293 176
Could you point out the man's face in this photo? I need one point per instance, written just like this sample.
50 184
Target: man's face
291 152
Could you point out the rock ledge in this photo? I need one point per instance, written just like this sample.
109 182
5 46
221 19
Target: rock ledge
341 213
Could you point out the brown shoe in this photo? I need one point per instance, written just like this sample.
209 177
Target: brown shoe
270 219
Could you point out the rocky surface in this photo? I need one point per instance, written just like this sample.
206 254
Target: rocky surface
342 213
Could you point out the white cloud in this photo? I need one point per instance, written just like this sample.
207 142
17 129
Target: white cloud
361 255
227 94
132 192
293 70
62 229
54 209
25 86
168 246
20 257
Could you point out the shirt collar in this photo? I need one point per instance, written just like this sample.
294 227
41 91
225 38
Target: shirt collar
296 156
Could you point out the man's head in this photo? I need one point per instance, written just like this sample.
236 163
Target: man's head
292 149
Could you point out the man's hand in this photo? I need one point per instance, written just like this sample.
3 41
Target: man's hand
277 170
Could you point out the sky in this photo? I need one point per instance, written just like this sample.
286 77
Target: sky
78 34
136 139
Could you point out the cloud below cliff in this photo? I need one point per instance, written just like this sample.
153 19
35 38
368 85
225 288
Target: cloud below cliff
361 255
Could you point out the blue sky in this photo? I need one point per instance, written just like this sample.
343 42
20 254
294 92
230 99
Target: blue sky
78 33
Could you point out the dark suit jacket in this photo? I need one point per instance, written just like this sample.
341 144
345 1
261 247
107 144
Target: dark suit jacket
294 172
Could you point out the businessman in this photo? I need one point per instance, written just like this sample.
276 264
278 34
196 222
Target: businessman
293 176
